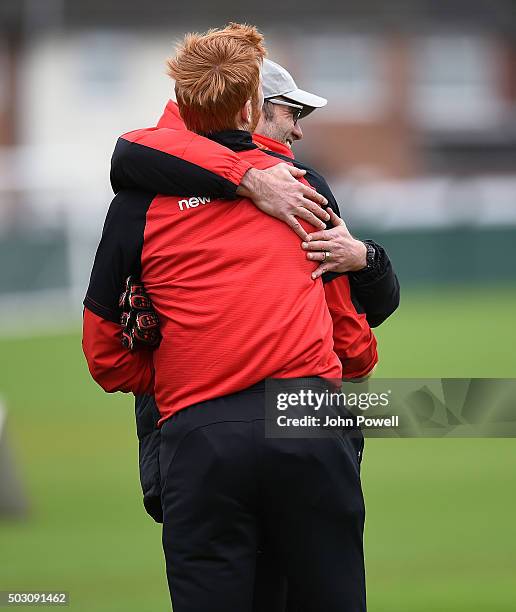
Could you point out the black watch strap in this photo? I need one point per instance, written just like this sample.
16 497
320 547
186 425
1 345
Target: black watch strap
370 255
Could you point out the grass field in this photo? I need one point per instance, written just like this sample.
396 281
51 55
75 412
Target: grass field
440 532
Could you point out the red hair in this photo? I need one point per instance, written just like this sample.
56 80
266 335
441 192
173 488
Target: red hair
215 74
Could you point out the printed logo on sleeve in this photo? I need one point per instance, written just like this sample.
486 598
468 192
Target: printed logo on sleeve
193 202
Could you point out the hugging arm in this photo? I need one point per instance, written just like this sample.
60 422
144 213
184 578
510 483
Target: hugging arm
175 162
376 290
178 162
118 256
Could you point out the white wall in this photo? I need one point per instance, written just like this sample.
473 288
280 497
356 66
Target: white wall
79 92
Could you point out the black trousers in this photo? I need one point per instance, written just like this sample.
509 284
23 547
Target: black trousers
228 491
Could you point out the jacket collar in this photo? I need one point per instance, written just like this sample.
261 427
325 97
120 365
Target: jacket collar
273 145
231 138
236 140
171 117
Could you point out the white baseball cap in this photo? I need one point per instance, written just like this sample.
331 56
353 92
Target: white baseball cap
278 82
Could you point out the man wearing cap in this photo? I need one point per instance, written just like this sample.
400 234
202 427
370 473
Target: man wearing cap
374 287
280 88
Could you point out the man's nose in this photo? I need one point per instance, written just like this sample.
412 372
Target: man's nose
297 132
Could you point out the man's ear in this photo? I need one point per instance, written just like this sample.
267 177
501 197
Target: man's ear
247 112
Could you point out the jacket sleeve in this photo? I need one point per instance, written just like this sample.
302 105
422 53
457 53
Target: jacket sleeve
377 291
175 162
354 342
118 256
112 366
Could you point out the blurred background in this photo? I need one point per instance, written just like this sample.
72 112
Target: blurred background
418 142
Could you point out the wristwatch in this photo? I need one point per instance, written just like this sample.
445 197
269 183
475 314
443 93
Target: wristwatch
370 255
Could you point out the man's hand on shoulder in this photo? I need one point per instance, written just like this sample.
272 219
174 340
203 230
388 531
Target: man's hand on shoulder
277 192
335 248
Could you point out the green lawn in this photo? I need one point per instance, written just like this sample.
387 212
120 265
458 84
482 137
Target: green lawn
440 532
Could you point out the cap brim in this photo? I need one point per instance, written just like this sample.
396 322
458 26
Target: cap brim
305 98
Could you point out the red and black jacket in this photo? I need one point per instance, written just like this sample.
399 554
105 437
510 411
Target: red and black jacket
166 159
217 271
